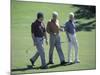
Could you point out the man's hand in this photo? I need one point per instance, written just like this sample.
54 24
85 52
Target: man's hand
61 29
34 42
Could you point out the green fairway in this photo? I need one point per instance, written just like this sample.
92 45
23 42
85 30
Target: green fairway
22 49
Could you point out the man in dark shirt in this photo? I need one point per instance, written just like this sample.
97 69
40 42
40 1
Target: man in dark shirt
38 29
38 34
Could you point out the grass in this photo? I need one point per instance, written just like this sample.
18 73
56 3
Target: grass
23 13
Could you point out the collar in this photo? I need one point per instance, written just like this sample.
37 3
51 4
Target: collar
53 21
38 21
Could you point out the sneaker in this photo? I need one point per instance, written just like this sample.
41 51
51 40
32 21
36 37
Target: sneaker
69 62
32 62
63 63
44 67
50 62
77 61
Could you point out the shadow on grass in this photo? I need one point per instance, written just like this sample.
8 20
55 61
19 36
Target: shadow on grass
29 67
58 65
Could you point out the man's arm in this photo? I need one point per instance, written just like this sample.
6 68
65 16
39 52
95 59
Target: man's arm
45 35
59 27
48 28
65 29
68 36
33 37
32 34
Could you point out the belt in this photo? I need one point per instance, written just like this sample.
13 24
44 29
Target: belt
54 33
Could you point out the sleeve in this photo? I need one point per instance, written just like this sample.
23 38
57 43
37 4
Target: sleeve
32 30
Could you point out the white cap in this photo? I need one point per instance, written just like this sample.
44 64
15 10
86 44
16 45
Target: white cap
55 13
71 14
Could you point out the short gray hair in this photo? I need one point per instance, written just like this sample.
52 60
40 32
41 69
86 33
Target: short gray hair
71 14
55 13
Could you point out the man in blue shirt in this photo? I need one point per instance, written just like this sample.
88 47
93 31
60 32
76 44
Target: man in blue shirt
70 29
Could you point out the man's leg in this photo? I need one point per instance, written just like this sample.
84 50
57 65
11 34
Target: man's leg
69 48
59 50
41 52
52 44
34 58
75 43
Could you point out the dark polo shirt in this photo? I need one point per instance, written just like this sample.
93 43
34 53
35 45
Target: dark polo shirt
38 28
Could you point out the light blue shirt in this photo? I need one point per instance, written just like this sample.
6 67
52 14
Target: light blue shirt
70 27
